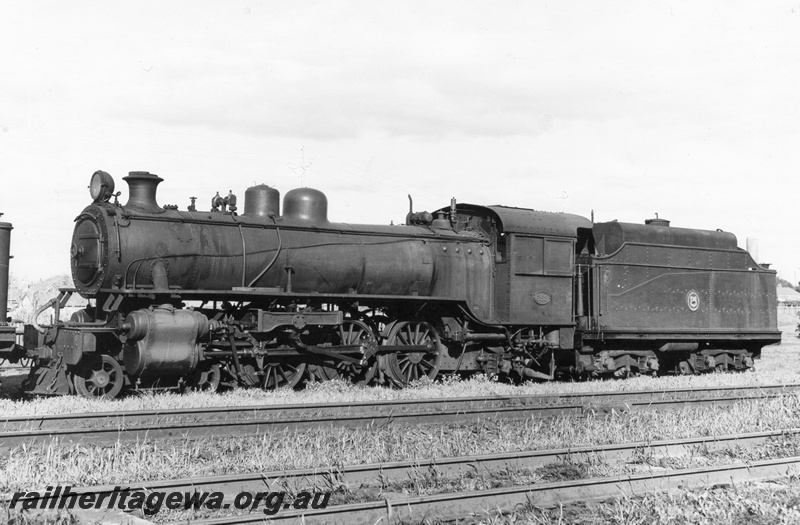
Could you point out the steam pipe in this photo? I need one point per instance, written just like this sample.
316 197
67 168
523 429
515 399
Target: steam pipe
277 252
38 312
244 249
159 273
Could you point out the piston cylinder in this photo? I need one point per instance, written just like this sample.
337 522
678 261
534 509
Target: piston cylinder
164 341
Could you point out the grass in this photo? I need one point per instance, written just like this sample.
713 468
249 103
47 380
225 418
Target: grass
770 503
617 511
430 481
35 466
24 518
38 465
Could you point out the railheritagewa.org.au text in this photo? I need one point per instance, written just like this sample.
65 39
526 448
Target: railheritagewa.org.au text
152 502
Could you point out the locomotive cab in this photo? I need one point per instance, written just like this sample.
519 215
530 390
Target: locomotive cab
534 255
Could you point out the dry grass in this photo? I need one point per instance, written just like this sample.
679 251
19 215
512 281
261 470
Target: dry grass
53 518
431 481
335 391
38 465
626 509
745 504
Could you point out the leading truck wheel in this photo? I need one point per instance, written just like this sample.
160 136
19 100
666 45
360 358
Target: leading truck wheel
204 379
404 367
99 378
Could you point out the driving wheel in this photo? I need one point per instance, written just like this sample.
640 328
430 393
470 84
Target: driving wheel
351 333
404 367
284 374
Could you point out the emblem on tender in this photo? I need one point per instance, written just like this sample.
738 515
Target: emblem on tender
693 300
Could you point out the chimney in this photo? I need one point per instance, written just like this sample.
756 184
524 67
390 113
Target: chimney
142 189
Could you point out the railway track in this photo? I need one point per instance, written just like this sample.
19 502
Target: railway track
108 427
461 504
370 474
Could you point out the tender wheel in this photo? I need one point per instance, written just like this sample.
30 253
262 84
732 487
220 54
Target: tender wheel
404 368
204 378
99 378
284 374
350 333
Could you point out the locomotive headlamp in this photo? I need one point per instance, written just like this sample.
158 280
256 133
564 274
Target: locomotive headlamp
101 187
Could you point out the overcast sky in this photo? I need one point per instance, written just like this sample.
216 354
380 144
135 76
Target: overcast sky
689 110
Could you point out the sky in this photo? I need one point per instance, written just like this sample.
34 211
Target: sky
690 110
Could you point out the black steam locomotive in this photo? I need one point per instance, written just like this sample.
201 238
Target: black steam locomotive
272 297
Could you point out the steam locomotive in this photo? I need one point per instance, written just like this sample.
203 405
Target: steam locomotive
278 295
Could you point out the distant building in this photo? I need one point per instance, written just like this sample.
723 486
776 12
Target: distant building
788 296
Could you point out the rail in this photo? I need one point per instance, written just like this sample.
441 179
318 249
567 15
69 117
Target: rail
109 427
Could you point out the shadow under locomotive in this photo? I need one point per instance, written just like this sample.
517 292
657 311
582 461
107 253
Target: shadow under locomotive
272 297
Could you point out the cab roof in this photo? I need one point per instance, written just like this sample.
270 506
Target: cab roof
527 221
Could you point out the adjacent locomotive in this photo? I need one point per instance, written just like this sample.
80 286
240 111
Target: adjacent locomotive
8 334
274 296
